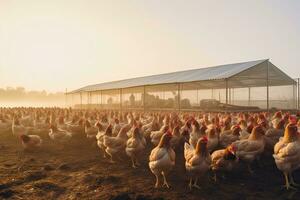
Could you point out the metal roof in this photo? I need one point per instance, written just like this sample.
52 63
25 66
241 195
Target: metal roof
201 74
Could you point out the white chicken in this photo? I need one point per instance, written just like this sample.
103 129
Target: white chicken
272 135
17 128
224 160
287 154
135 147
116 127
229 136
90 131
162 159
250 149
197 161
31 142
116 145
213 139
58 135
156 135
100 137
196 133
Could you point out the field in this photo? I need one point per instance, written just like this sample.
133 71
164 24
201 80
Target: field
78 171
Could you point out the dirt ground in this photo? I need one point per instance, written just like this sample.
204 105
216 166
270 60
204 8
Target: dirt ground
78 171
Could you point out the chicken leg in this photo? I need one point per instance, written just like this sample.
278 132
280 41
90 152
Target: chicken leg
287 183
190 184
195 184
165 180
111 159
133 164
250 170
157 181
292 180
215 178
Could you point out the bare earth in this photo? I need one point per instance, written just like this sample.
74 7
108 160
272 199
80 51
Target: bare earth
78 171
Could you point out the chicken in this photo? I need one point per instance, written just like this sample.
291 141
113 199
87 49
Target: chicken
224 160
213 139
116 127
152 126
162 159
61 123
59 135
156 135
17 128
287 154
31 142
100 137
135 147
176 137
197 160
197 132
272 135
245 132
250 149
276 119
229 136
90 131
116 145
76 128
5 125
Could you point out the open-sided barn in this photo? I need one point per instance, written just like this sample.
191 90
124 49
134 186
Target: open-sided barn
248 85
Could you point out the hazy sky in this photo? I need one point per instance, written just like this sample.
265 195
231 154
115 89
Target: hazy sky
61 44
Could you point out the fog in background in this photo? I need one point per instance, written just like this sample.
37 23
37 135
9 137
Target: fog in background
19 96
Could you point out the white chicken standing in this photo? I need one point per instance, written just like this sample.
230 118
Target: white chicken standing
224 160
250 149
135 147
162 159
116 145
287 154
100 135
197 161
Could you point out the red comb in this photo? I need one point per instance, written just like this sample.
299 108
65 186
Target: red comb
293 119
204 138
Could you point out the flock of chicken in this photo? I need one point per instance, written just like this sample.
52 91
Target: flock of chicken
209 141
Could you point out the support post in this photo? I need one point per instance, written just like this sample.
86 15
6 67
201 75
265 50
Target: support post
298 100
66 98
101 99
294 96
198 103
268 86
226 86
121 100
144 98
229 90
179 100
80 100
249 96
